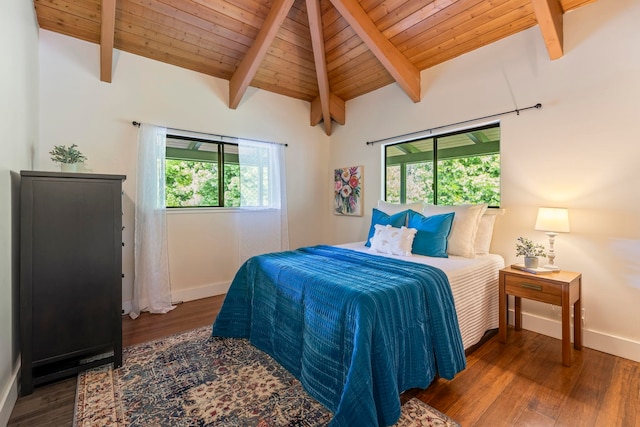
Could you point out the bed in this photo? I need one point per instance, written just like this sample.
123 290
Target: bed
474 285
356 326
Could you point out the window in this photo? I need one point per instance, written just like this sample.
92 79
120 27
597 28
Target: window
206 173
449 169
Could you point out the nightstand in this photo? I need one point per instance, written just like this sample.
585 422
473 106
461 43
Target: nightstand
562 288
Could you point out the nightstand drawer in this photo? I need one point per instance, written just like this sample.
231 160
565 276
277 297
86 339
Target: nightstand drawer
532 288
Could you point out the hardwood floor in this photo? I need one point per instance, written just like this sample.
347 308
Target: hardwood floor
52 405
522 383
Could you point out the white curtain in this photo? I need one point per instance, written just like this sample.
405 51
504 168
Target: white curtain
263 213
151 285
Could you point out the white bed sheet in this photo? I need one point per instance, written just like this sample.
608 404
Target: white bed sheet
474 285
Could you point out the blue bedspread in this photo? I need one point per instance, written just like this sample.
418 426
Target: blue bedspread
354 328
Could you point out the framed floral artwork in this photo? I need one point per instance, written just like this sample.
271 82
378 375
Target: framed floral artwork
348 191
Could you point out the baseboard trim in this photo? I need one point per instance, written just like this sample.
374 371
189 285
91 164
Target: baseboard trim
596 340
9 397
190 294
199 292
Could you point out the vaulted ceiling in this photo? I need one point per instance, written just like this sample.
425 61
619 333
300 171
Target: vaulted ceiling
322 51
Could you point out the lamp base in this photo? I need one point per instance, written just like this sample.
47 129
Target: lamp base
551 267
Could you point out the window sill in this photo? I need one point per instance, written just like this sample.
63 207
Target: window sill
171 211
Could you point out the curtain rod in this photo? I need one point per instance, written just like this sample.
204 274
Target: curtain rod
137 124
517 111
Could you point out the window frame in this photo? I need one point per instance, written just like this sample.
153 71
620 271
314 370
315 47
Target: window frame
435 157
219 159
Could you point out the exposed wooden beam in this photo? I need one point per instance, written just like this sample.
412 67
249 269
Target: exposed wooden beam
400 68
317 42
336 110
107 34
316 112
249 65
549 16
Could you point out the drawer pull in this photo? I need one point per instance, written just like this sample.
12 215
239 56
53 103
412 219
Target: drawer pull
531 286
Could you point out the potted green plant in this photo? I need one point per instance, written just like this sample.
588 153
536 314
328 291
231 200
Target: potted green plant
68 157
530 251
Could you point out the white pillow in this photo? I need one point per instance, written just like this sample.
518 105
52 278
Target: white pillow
394 208
393 241
463 229
485 230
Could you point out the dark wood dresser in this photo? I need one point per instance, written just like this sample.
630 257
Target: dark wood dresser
70 274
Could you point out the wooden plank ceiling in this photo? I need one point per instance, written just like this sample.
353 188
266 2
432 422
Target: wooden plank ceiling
322 51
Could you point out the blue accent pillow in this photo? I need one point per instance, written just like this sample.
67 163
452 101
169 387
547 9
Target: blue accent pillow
433 231
378 217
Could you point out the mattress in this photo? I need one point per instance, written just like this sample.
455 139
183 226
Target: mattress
474 285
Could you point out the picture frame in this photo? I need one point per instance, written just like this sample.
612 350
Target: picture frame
348 190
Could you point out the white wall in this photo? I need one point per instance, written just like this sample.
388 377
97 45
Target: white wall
18 121
75 107
580 151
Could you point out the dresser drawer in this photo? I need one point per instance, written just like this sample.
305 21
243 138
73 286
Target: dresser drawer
532 288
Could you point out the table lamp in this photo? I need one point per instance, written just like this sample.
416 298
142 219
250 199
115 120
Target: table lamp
552 221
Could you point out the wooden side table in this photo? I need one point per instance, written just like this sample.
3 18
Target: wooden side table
562 288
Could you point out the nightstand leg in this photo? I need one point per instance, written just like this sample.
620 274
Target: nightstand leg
577 325
518 316
503 310
566 330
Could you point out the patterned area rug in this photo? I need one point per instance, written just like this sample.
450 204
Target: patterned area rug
192 379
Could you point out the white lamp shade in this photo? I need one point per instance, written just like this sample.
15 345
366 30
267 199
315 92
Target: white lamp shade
553 219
